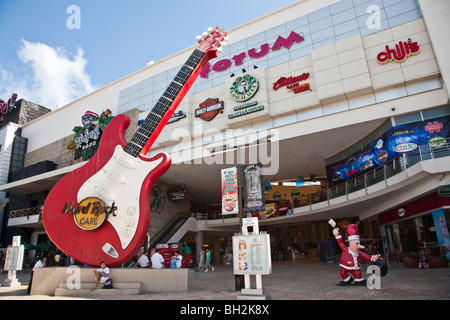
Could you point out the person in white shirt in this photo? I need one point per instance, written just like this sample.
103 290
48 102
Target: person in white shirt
101 274
143 261
42 262
157 260
176 260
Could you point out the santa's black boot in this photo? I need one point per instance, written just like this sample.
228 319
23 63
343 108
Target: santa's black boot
360 282
346 282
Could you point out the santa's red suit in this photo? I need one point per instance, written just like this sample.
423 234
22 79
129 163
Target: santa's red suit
349 259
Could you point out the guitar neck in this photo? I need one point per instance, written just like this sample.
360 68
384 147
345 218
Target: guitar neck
157 118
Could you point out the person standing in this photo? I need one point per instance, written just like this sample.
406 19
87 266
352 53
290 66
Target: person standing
176 260
201 261
208 260
143 261
157 260
41 263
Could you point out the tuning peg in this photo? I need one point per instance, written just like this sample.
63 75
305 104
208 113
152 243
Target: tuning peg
198 38
223 43
210 29
220 49
204 33
226 38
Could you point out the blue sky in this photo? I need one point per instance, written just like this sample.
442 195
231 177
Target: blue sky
44 61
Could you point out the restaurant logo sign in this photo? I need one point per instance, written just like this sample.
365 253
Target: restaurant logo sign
5 106
90 213
402 50
293 83
209 109
87 137
244 88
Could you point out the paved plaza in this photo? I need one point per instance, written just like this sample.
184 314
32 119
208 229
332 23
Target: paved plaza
290 280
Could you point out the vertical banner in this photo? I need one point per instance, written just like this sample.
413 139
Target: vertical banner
254 196
442 232
230 203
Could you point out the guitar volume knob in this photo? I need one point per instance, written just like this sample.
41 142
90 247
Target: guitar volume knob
131 211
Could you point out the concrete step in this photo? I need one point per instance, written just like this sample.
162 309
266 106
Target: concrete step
119 289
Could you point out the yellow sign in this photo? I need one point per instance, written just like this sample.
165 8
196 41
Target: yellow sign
90 213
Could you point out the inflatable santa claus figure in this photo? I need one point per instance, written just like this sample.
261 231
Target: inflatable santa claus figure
350 265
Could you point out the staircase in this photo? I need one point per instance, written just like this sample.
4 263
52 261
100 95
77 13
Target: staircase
119 289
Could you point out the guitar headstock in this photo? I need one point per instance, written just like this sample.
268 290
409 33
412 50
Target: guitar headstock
212 41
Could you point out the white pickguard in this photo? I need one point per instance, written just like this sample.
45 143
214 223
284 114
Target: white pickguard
119 182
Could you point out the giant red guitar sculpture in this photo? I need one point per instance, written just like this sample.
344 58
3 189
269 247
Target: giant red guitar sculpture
101 211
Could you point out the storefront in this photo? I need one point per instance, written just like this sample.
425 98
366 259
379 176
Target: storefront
418 230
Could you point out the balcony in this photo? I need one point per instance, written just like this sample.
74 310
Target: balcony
398 181
25 218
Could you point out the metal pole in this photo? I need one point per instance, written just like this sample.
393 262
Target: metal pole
239 186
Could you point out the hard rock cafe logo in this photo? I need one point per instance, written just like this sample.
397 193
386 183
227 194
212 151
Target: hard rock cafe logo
90 213
87 137
244 88
209 109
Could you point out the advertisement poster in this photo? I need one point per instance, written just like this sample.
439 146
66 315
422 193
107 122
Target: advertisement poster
396 141
254 197
251 254
230 203
442 232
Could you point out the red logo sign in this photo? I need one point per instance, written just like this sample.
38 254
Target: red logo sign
435 126
209 109
399 54
292 83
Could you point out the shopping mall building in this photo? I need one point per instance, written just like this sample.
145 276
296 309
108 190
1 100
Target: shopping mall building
346 108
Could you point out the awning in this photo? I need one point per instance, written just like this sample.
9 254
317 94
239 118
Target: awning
41 182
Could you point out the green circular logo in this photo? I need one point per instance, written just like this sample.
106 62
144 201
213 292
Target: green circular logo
244 88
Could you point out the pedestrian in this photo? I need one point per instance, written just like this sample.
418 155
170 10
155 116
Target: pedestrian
175 260
101 275
157 260
208 260
201 259
41 263
143 261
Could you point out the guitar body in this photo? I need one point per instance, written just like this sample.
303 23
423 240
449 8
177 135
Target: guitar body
117 179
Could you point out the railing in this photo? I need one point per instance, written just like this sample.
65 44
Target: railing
362 182
390 169
25 212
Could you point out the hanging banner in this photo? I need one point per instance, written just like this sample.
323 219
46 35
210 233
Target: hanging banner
254 197
230 203
397 140
442 232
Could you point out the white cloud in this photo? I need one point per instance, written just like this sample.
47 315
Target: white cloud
56 76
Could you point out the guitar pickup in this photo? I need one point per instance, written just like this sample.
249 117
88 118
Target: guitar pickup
116 178
125 162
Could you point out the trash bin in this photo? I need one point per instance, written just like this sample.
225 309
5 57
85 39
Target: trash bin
239 282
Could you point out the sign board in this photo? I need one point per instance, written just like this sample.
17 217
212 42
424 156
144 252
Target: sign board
14 255
251 254
230 203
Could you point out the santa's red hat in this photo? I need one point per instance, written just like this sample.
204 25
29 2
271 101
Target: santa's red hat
352 232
